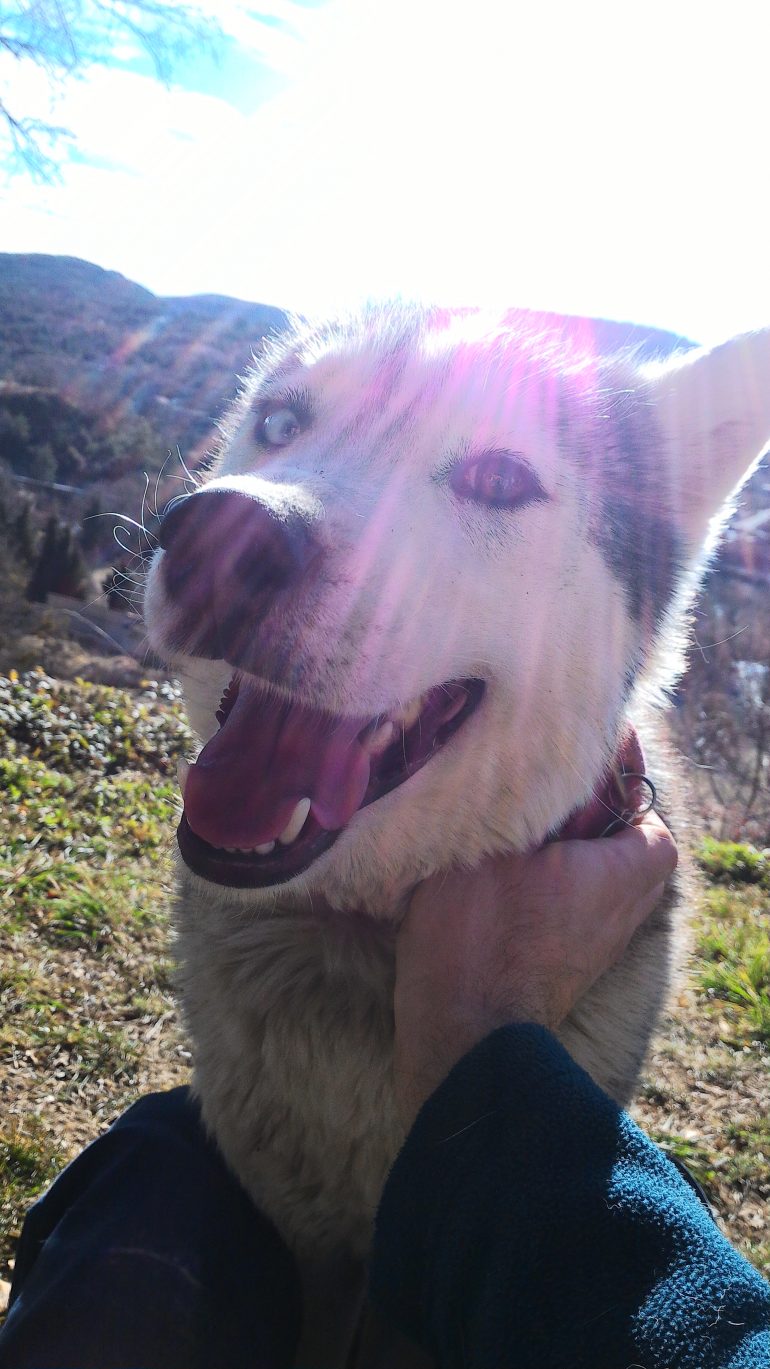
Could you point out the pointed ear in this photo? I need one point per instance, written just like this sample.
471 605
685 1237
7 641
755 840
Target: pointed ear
714 412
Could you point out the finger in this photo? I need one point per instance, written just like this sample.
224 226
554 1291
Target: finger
642 856
649 845
612 873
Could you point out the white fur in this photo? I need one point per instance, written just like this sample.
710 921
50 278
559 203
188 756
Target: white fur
287 992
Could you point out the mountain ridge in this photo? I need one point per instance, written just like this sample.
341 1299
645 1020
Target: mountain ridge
113 347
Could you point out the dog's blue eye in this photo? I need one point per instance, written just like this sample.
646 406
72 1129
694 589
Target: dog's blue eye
280 427
498 479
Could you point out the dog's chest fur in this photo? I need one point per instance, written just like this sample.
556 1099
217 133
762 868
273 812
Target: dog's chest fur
292 1019
291 1015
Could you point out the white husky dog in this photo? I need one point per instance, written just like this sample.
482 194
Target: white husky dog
435 565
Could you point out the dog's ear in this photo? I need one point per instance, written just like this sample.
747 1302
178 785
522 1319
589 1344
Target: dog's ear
714 412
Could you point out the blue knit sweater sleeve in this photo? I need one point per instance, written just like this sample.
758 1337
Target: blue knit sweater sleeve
528 1223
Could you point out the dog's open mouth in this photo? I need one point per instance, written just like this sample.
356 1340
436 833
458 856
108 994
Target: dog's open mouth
279 781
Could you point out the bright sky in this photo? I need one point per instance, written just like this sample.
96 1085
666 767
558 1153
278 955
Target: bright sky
598 157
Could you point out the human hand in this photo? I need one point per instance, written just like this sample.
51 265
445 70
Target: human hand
520 939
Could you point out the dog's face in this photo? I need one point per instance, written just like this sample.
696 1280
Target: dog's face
412 600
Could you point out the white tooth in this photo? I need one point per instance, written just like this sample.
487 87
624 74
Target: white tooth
182 772
265 848
380 740
409 715
296 822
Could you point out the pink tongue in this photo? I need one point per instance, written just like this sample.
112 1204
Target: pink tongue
268 755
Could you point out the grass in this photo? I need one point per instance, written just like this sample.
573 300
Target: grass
87 1014
733 946
750 1148
706 1097
28 1163
696 1157
734 862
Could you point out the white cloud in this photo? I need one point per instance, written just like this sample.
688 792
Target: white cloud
593 158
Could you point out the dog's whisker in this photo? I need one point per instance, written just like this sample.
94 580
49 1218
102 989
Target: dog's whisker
158 478
190 475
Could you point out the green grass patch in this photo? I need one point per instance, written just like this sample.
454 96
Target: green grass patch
744 1162
734 862
695 1156
80 726
84 816
90 805
749 1157
733 943
28 1164
87 1016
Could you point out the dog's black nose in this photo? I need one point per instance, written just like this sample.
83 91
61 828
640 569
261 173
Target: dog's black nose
226 555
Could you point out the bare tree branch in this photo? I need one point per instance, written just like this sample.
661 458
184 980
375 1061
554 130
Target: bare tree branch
63 38
28 138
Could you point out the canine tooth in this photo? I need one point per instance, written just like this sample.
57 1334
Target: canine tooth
296 823
380 740
182 772
265 848
409 715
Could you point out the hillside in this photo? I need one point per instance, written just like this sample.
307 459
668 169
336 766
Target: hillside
112 347
44 436
150 373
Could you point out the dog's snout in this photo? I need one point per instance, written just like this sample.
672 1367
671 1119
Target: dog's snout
226 554
176 515
264 548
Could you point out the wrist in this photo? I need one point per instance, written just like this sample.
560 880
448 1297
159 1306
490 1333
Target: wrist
422 1062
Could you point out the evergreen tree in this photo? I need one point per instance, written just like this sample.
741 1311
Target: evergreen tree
72 464
91 525
44 569
14 440
71 566
60 567
24 532
115 587
41 461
